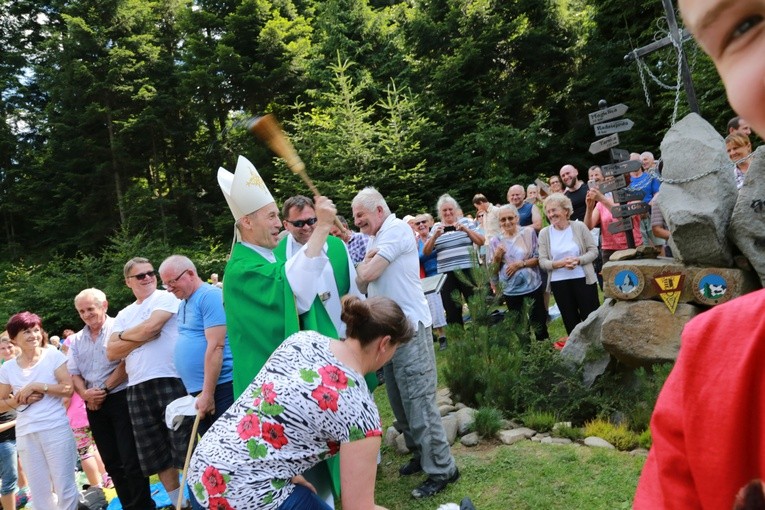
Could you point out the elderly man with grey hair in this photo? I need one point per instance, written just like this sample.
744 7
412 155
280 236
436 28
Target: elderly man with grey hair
102 385
391 269
202 353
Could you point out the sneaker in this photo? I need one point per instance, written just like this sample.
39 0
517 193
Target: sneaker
411 467
442 343
431 487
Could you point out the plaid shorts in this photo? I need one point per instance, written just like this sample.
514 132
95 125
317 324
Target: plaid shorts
158 447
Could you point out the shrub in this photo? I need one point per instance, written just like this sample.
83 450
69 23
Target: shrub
645 440
648 385
500 364
541 421
618 435
487 421
572 433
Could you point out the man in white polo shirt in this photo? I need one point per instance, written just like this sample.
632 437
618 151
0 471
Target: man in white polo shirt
391 268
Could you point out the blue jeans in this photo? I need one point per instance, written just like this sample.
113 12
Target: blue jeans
303 499
8 469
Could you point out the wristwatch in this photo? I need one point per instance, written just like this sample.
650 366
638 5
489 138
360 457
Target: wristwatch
45 388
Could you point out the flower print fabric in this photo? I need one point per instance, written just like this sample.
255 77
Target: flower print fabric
299 409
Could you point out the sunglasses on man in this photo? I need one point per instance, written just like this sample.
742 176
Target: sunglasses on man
302 223
141 276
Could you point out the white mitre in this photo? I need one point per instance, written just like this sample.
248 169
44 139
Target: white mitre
244 190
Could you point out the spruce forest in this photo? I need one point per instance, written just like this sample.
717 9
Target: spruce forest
118 113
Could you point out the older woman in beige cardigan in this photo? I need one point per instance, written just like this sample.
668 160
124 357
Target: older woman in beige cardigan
566 252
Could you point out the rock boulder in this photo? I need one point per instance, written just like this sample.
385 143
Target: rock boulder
698 193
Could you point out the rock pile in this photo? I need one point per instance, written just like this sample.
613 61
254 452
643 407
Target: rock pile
650 300
458 420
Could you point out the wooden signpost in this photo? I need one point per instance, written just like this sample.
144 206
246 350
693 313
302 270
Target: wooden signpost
615 126
608 113
606 122
630 209
604 143
625 167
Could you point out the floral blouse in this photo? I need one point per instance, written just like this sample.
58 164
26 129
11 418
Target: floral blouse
522 246
299 409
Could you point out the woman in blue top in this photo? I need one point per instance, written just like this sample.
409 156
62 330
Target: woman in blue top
452 240
515 257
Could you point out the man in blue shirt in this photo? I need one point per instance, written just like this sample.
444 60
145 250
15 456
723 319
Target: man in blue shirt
645 181
202 353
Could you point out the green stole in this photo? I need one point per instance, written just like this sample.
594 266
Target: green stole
317 318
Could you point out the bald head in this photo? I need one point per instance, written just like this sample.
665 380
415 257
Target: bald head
570 176
516 194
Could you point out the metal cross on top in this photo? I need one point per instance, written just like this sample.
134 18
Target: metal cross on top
675 38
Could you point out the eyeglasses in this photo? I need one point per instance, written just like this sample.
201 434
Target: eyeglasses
507 218
420 222
302 223
170 283
140 276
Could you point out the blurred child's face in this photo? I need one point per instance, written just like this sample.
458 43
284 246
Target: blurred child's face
6 350
733 34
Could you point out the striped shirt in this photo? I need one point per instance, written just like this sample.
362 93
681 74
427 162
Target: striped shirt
455 249
87 357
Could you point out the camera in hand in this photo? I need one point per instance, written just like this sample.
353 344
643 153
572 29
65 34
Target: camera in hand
450 228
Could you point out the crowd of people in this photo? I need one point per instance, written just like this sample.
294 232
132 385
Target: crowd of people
282 376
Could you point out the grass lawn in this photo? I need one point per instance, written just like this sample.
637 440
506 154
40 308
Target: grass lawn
525 475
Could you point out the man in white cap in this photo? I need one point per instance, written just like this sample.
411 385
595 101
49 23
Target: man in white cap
264 294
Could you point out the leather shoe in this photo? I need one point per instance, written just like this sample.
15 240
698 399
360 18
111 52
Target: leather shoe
411 467
431 487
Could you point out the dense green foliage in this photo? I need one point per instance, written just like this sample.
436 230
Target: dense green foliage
49 289
116 115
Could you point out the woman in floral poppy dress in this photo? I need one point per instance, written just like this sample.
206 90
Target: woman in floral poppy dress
308 402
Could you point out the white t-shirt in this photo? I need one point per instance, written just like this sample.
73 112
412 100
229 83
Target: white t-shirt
562 245
49 412
153 359
401 279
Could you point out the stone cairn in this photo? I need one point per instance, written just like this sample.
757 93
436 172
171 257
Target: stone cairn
458 420
717 240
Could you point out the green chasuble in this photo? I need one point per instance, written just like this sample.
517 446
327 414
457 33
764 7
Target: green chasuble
261 313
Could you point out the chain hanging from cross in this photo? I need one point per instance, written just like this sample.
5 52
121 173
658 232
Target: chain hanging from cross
675 38
644 70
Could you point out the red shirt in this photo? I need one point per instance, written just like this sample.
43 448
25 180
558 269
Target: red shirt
708 425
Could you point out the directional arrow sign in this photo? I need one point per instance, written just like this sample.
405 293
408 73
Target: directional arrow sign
608 113
618 182
616 126
620 226
628 195
624 167
604 143
619 155
622 211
